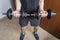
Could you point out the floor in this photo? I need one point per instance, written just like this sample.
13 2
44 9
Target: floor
10 30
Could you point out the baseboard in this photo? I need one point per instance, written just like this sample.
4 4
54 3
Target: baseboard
2 17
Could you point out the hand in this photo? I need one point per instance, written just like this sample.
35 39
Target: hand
16 13
43 13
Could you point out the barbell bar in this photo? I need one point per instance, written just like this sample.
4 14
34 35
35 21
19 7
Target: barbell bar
49 11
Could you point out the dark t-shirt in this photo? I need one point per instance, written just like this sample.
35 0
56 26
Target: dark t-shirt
29 5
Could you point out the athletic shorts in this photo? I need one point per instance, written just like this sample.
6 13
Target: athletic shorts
23 21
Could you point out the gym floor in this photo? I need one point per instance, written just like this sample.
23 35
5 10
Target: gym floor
10 30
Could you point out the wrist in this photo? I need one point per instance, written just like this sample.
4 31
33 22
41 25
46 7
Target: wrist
41 9
17 10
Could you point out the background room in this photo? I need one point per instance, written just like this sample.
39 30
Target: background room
49 29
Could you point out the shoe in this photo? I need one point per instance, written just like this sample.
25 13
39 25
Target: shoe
36 36
22 37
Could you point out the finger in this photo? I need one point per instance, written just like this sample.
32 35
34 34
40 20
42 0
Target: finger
14 14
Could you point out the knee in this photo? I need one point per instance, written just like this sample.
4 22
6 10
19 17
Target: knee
35 28
22 29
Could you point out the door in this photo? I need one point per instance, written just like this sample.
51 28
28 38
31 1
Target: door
52 25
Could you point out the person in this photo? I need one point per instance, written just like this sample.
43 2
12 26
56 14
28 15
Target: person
28 7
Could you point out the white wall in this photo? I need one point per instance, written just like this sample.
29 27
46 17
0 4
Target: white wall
4 6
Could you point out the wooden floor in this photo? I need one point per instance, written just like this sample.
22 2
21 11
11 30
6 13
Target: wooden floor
10 30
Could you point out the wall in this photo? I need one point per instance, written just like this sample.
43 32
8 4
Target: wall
4 5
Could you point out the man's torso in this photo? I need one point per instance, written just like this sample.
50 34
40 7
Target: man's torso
29 5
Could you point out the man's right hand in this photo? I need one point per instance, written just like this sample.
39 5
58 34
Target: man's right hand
16 13
43 13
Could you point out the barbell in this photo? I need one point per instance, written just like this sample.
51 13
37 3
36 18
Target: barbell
36 15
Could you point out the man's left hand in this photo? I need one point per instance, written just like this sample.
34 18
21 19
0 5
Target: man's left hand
43 13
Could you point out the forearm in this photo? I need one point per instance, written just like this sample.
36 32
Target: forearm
18 5
41 5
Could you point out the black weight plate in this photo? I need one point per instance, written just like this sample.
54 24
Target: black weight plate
49 13
8 13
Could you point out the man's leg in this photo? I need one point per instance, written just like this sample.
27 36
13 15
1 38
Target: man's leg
22 33
35 23
23 22
35 33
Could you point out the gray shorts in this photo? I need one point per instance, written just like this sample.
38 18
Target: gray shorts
23 21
